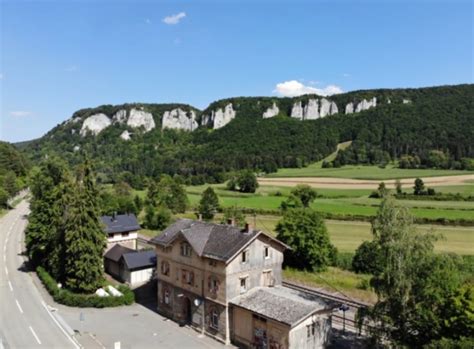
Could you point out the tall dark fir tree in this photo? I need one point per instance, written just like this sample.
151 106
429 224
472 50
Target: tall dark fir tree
84 237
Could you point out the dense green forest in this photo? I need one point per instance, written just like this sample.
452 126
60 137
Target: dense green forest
13 170
405 124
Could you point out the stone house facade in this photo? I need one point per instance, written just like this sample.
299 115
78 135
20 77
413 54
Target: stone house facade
206 270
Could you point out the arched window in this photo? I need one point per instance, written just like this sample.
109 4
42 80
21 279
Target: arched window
166 296
165 268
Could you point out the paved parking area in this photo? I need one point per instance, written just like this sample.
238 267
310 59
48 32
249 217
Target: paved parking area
135 326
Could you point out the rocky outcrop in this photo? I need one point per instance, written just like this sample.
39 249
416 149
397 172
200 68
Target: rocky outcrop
141 118
365 104
179 119
349 108
219 118
125 135
271 112
120 116
314 109
297 111
94 124
311 110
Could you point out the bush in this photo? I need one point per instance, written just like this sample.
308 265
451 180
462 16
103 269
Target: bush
66 297
343 260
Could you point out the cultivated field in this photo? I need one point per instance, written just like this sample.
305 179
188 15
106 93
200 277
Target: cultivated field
363 172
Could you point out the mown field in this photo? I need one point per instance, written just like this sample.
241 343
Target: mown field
341 202
363 172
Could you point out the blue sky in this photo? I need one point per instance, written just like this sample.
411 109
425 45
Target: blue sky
60 56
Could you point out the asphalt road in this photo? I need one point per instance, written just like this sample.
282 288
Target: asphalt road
29 318
25 321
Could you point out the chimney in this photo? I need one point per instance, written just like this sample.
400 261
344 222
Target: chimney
113 216
231 222
248 228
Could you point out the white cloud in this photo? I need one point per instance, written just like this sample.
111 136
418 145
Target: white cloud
174 19
346 75
295 88
20 113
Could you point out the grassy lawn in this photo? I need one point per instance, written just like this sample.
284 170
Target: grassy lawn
362 172
334 280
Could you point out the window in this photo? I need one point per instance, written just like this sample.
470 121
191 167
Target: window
185 250
311 330
165 268
166 296
124 235
213 284
245 256
187 277
267 278
214 319
266 252
212 263
243 285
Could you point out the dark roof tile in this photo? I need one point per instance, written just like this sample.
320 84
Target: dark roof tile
120 223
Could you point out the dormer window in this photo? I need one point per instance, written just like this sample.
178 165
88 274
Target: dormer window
245 256
185 249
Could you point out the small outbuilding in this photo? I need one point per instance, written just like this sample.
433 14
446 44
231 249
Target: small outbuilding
121 229
130 266
280 317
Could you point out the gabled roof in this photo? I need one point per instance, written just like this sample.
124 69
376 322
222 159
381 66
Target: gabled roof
216 241
282 304
120 223
116 252
140 259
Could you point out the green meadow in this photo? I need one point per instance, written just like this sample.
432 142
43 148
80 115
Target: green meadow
363 172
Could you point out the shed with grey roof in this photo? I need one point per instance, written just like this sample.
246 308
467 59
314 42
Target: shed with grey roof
130 266
281 316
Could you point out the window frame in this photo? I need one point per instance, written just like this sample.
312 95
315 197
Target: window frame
266 252
245 256
186 250
245 287
214 323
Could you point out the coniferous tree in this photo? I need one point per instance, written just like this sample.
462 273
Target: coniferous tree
209 204
84 237
43 223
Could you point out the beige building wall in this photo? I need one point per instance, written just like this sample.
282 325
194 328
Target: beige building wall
302 337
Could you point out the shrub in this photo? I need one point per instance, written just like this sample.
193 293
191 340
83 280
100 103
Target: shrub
66 297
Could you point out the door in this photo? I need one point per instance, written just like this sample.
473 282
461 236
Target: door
187 311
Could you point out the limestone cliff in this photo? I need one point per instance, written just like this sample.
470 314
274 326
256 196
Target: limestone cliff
314 109
271 112
141 118
219 118
94 124
179 119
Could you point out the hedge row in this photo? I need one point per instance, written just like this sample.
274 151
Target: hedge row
436 197
341 217
71 299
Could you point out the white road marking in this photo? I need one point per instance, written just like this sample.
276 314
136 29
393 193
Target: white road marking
10 285
59 325
34 334
6 270
19 306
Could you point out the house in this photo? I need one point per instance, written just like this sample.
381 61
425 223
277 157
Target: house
130 266
225 281
121 229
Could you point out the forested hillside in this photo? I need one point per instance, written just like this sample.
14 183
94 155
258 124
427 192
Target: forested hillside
13 170
406 124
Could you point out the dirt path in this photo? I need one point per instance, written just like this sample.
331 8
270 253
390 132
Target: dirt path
345 183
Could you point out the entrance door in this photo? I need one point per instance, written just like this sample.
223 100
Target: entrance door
187 312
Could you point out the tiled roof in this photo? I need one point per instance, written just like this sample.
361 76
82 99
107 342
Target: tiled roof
282 304
116 252
140 259
217 241
120 223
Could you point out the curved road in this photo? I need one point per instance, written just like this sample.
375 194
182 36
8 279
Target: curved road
25 321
